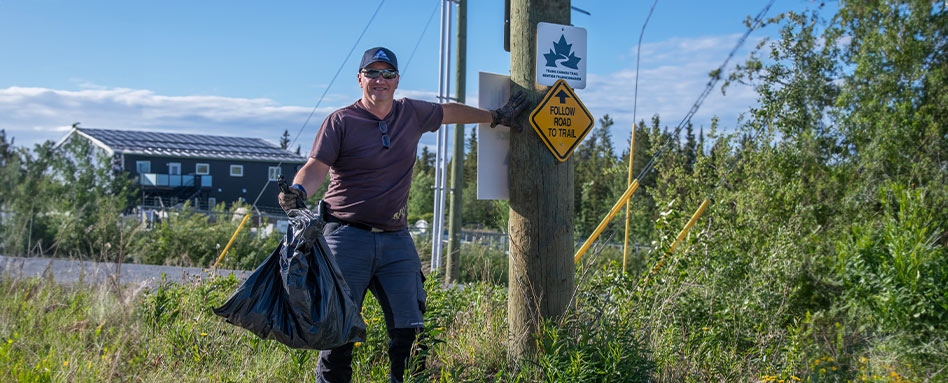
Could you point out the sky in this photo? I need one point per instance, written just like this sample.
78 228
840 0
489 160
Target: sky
255 69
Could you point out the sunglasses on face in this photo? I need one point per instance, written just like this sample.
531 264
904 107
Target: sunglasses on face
385 140
371 73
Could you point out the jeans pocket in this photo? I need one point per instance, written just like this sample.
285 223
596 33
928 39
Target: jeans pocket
330 228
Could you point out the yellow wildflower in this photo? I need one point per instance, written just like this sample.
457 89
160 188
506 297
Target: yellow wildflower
794 378
357 344
834 368
65 363
203 334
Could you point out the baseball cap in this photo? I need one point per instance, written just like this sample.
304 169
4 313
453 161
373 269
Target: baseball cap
379 54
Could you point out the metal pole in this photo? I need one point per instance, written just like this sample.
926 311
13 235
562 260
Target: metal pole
439 153
444 135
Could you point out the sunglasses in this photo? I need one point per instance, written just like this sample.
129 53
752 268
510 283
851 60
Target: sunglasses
386 143
387 74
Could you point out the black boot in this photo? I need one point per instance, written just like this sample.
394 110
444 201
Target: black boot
399 351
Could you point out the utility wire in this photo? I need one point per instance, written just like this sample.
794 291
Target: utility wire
311 113
704 94
417 43
638 56
717 74
715 78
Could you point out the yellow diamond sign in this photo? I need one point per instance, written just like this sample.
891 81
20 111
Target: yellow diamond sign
561 120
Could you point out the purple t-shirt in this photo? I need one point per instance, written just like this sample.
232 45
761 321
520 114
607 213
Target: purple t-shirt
369 184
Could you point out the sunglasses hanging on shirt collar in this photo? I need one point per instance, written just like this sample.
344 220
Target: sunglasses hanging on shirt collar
373 73
386 143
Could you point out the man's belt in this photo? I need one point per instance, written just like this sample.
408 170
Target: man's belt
330 218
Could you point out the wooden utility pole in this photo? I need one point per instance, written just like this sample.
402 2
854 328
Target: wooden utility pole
452 270
541 194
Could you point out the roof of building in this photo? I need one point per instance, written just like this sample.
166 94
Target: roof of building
186 145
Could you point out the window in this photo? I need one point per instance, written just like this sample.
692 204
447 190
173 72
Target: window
143 167
202 169
174 169
236 170
211 202
275 173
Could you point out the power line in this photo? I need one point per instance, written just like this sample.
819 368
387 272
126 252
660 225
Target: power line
311 113
638 56
716 75
431 17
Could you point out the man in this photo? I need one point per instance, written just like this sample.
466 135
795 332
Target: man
368 148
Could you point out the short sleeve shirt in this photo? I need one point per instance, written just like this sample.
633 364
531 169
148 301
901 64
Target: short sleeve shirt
369 184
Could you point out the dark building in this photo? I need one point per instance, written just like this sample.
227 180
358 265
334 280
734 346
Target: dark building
171 168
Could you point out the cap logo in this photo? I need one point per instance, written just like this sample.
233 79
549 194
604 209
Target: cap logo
381 55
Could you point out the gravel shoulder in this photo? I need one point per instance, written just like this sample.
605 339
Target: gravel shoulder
70 271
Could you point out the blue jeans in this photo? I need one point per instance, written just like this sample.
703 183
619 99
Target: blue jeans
387 264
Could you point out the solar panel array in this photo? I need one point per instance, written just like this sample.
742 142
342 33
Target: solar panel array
191 145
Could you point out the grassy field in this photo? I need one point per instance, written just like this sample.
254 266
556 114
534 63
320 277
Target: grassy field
82 333
621 329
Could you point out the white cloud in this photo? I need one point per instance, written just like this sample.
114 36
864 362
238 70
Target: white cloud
673 74
418 94
33 115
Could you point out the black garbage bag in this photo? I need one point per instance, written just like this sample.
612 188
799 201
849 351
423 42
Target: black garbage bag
297 296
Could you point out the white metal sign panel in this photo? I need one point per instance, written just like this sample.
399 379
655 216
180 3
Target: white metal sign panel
493 145
561 54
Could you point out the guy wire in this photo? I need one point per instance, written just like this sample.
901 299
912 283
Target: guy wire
318 102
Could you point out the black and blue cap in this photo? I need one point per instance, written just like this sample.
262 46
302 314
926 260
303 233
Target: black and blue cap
379 54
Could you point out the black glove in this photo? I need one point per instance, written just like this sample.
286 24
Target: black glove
291 197
506 114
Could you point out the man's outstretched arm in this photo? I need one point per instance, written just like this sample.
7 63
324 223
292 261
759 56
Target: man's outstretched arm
454 113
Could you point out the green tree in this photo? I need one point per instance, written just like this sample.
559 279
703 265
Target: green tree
425 162
599 177
285 140
421 195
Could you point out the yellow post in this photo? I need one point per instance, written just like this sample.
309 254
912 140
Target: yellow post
232 239
691 222
625 247
605 221
681 236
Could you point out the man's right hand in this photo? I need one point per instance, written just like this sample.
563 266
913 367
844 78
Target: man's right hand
294 199
506 115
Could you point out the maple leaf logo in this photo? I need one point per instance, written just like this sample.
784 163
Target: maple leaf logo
562 51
